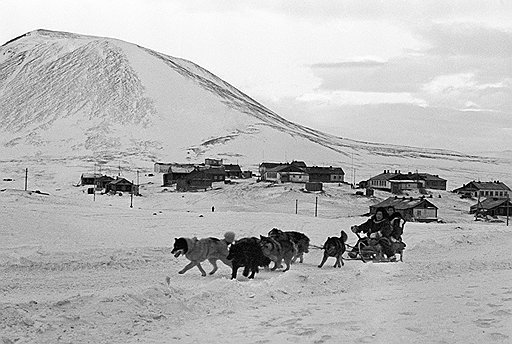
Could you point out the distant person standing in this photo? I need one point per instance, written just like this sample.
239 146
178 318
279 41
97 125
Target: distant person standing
213 209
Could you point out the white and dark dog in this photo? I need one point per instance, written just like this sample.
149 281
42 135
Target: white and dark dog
199 250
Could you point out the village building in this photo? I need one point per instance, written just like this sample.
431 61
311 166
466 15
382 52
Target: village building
411 209
175 172
264 166
196 180
213 162
326 174
493 207
89 178
216 173
121 185
101 182
382 181
397 182
314 186
495 189
233 171
285 173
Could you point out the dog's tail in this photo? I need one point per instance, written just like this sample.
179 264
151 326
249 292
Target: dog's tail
229 237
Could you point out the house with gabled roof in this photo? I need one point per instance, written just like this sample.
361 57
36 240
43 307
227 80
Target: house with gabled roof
493 206
398 182
494 189
285 173
233 171
411 209
121 185
326 174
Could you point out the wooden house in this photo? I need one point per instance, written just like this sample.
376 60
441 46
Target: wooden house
398 182
493 206
175 172
382 181
495 189
216 173
102 181
121 185
233 171
412 209
196 180
285 173
89 178
326 174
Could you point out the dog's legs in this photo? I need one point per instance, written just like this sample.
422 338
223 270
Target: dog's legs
234 271
214 264
288 263
190 266
277 264
203 273
324 259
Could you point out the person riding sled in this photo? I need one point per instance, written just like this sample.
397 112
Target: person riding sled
378 231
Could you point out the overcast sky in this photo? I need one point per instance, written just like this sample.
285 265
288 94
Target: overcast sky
422 73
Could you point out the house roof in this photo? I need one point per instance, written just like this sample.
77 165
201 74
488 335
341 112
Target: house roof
91 175
403 203
325 170
182 168
491 203
232 168
384 176
120 181
497 185
286 168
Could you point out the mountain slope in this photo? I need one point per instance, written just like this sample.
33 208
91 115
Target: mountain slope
64 95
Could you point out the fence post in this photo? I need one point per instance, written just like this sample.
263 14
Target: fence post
316 206
296 206
26 178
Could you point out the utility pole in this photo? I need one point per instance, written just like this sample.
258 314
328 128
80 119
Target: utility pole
131 197
508 206
26 178
94 185
316 206
296 206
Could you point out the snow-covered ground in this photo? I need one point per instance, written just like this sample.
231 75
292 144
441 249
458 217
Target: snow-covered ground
80 270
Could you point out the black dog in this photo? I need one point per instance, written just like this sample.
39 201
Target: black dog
247 253
300 240
334 247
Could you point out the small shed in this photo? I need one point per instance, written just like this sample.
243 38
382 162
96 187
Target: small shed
493 206
412 209
314 186
194 181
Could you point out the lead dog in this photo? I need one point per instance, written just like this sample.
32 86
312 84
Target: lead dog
299 239
334 247
199 250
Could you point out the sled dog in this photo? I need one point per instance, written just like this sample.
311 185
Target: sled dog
299 239
278 251
247 253
334 247
199 250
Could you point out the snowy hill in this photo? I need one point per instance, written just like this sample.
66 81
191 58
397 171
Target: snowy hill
66 97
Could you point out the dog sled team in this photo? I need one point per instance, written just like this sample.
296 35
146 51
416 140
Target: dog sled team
381 242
